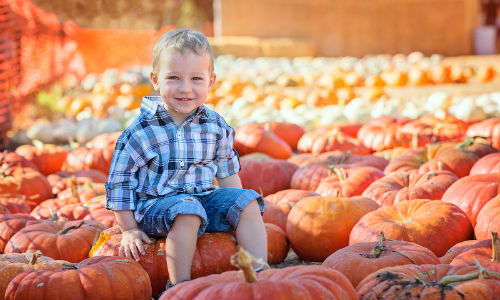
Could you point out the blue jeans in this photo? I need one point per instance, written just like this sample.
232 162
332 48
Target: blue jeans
219 211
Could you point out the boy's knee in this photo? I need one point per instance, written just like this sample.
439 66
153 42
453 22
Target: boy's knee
188 219
252 208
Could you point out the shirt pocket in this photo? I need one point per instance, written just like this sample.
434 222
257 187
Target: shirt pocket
203 147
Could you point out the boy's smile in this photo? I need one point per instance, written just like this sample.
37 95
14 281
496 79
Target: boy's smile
183 80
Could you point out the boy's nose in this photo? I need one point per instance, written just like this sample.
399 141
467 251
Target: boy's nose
185 86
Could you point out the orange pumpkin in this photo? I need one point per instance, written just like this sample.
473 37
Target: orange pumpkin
293 283
488 257
26 182
277 244
48 158
318 226
289 132
428 281
212 254
358 260
348 182
12 223
419 221
13 264
489 128
487 164
471 193
253 137
93 278
334 139
488 219
66 240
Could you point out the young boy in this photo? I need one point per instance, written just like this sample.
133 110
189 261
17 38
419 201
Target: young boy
160 181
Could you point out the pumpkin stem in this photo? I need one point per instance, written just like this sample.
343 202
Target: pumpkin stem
74 188
377 250
68 229
35 256
69 266
244 260
341 173
495 244
434 173
481 274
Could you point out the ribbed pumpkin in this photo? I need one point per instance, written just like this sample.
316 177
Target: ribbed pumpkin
488 219
348 182
266 175
358 260
279 204
471 193
461 247
400 186
12 223
10 160
15 203
289 132
488 257
437 129
458 161
318 226
84 158
419 221
489 128
486 164
26 182
63 180
427 281
93 278
291 283
66 240
211 256
15 263
331 140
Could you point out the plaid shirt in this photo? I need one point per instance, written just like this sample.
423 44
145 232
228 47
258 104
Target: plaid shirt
154 157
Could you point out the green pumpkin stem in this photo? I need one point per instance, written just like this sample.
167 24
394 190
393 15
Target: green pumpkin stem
68 229
341 173
481 274
70 266
495 247
35 257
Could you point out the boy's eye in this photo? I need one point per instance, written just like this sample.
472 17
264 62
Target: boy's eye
197 78
173 77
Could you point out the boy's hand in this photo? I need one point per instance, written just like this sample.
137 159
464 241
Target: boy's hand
131 242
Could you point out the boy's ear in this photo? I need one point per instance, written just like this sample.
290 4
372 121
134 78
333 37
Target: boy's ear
154 80
212 81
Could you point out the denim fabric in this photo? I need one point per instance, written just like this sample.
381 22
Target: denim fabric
219 211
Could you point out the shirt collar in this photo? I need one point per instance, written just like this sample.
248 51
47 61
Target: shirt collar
151 104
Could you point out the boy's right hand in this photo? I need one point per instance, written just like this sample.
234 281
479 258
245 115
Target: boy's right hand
131 242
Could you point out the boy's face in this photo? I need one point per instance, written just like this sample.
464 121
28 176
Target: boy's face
184 80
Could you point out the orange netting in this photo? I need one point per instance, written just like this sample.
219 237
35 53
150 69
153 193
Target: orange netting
36 48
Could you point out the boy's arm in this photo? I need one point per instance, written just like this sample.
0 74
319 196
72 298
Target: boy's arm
230 181
132 236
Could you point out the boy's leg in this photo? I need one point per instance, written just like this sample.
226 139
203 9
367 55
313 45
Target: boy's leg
231 209
180 247
251 231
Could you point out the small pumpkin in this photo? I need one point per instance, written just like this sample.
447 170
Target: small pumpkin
253 137
488 219
48 158
277 244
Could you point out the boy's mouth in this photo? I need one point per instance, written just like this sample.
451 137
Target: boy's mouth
183 99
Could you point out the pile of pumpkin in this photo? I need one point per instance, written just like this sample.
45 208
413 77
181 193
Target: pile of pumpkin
392 209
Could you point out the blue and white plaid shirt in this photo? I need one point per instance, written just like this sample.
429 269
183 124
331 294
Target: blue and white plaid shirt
154 157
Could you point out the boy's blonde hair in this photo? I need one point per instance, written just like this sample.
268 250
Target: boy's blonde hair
180 40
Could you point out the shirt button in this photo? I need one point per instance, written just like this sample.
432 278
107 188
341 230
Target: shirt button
182 164
179 134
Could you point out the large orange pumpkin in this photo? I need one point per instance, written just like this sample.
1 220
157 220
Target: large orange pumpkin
318 226
488 219
427 282
278 205
289 132
487 164
471 193
212 254
291 283
461 247
334 139
15 263
93 278
400 186
66 240
12 223
358 260
265 175
15 203
419 221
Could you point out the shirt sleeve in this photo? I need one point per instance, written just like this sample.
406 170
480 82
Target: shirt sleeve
226 158
122 180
